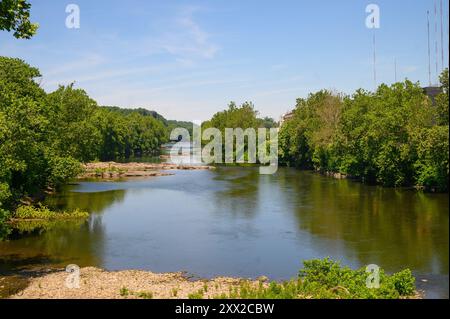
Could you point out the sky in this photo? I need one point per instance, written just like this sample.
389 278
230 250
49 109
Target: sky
188 59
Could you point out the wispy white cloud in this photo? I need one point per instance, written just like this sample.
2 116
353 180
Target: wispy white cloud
183 42
86 62
187 39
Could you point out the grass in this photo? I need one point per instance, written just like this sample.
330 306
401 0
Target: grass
196 295
125 292
24 226
44 213
144 294
28 219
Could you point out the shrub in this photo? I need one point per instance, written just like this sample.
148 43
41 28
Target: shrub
326 279
5 230
42 212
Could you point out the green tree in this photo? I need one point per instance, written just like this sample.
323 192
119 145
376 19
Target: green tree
73 132
306 139
393 137
442 102
15 16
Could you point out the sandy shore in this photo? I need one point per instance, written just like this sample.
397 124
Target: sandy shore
96 283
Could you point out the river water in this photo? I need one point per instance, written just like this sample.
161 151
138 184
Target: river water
233 221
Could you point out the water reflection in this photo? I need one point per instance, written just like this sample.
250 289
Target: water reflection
393 228
234 221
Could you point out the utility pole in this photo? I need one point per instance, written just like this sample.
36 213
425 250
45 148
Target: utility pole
436 39
395 69
442 37
429 59
374 61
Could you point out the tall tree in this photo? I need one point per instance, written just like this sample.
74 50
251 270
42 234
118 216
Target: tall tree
15 16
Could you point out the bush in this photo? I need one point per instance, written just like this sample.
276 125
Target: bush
5 230
42 212
326 279
62 169
344 282
404 282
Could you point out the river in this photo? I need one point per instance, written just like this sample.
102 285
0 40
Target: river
233 221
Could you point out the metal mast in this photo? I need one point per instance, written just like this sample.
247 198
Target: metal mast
436 39
442 37
429 58
374 61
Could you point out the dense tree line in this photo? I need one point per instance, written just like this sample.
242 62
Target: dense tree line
244 117
45 136
396 136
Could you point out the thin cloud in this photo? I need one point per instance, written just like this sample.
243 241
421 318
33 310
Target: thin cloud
187 39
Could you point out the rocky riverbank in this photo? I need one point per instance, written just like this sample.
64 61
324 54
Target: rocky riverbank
111 170
96 283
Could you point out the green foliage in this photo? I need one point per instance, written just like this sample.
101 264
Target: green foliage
326 279
243 117
124 292
42 212
44 137
196 295
27 226
268 122
171 125
4 229
144 294
73 132
306 140
131 133
327 276
431 165
62 169
23 126
393 137
15 16
404 282
442 102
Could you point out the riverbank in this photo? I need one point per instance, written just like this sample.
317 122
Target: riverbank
319 279
96 283
112 170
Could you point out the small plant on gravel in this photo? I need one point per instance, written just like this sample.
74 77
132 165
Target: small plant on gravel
145 294
124 292
196 295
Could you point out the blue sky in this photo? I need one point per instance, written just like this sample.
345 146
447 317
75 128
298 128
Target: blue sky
188 59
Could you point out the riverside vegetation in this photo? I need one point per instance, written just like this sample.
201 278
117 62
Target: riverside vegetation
318 279
44 137
396 136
